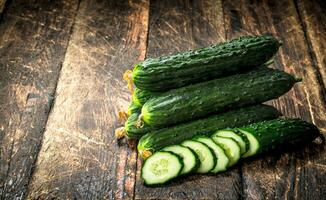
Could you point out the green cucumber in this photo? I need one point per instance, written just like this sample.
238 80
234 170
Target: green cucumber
278 133
161 168
139 97
190 158
205 154
222 159
240 138
174 71
155 140
231 148
133 108
131 129
199 100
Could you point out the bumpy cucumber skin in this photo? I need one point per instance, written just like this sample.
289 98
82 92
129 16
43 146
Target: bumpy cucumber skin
280 133
139 97
153 185
131 127
199 100
133 108
158 139
164 73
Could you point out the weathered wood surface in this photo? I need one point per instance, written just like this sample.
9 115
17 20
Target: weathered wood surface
299 175
80 157
178 26
313 16
2 6
33 41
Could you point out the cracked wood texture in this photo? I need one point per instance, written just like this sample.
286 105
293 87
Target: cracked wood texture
33 42
61 87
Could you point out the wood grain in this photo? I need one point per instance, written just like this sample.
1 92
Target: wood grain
313 17
177 26
2 6
80 157
33 41
298 174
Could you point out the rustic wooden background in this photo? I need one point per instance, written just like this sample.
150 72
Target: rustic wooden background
61 64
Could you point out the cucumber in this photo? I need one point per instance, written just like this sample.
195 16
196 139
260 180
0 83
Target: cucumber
131 129
205 154
155 140
240 138
222 159
279 133
139 97
231 148
161 167
133 108
174 71
199 100
189 157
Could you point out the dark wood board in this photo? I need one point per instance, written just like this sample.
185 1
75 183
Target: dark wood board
61 66
178 26
294 174
2 6
33 41
80 157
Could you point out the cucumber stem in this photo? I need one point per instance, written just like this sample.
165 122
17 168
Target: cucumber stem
120 132
127 76
122 115
145 153
140 122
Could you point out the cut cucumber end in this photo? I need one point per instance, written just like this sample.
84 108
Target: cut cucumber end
205 154
254 144
240 140
222 159
231 148
161 167
190 159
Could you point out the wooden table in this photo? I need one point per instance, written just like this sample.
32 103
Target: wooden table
61 66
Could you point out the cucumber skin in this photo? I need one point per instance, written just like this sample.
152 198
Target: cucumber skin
133 108
199 100
139 97
278 133
132 132
155 140
179 173
242 54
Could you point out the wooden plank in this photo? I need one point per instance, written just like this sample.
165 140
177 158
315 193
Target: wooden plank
80 157
299 174
2 6
313 17
33 41
177 26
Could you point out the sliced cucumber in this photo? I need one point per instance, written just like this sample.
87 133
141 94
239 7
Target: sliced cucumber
161 167
222 159
190 158
254 144
231 148
205 154
241 140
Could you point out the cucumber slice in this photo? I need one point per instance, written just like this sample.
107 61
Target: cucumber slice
205 154
190 158
254 144
242 141
161 167
222 159
231 148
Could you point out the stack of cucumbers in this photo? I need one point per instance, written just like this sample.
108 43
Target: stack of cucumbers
201 111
